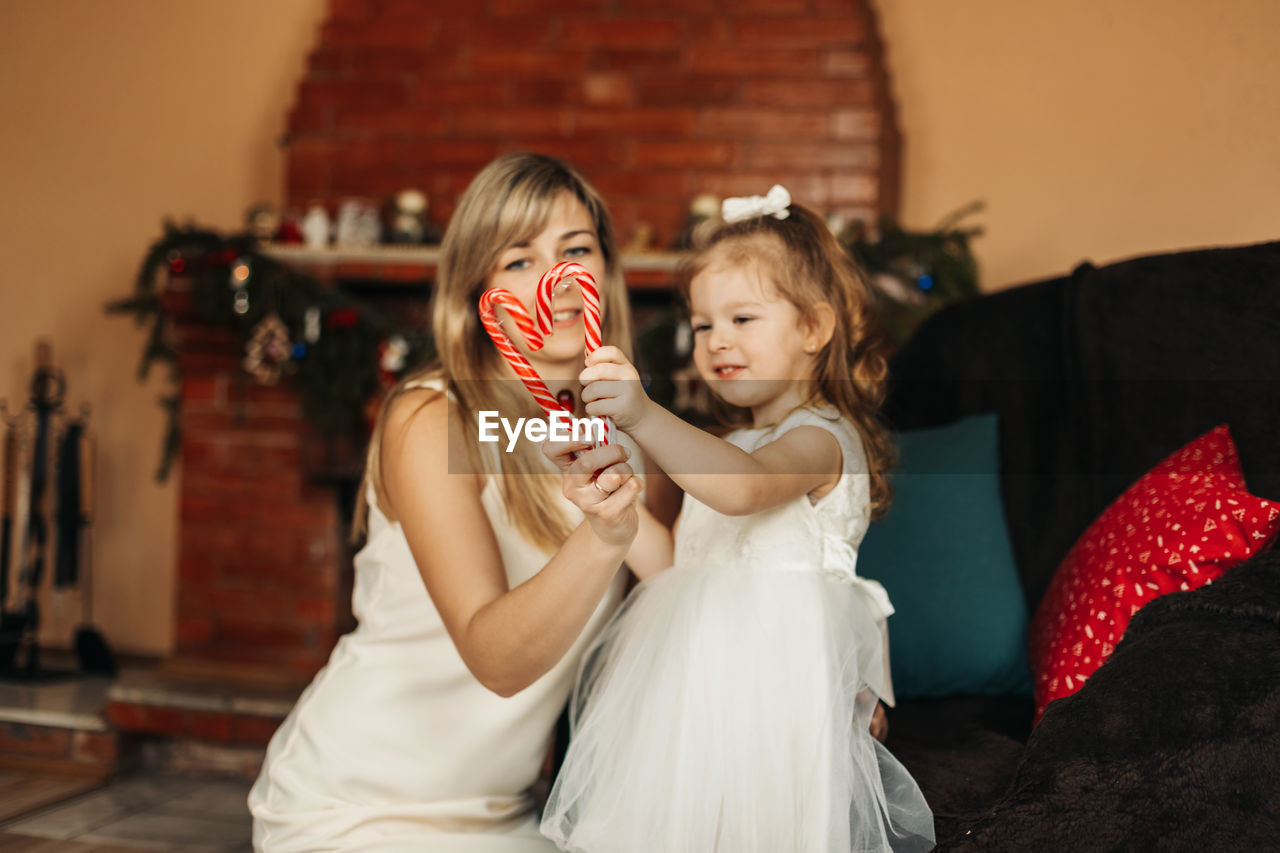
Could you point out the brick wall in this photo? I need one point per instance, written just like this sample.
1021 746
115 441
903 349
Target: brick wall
656 100
61 750
259 576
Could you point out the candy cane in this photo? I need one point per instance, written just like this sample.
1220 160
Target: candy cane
534 335
590 312
489 301
590 298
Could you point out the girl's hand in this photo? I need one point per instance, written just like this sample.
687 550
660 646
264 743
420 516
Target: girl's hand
879 724
608 500
611 388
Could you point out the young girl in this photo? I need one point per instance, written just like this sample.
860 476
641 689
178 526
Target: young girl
477 592
726 708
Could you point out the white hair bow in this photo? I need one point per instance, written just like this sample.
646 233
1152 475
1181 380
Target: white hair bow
774 204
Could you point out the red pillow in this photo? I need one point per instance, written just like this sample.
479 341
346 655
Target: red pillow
1182 525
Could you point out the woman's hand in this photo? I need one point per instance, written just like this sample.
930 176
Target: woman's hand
611 388
607 499
508 636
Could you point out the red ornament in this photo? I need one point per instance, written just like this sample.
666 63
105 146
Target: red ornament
218 258
178 265
343 318
289 232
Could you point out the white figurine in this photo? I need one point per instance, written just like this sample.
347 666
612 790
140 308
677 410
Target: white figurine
315 227
358 225
408 217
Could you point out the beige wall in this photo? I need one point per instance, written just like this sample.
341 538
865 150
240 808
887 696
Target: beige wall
1095 129
118 114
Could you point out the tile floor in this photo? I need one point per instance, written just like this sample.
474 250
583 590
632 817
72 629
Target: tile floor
147 810
154 810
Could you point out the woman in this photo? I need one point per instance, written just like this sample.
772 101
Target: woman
481 583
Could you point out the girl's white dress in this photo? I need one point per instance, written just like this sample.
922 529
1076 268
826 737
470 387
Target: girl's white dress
726 707
395 746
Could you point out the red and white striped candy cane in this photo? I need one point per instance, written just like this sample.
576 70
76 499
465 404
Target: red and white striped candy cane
590 300
590 312
489 301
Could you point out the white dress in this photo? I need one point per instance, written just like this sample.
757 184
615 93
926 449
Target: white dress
395 745
726 707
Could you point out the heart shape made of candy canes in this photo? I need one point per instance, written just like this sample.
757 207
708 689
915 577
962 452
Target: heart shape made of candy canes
534 335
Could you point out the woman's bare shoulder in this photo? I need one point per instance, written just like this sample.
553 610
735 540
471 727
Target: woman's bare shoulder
422 449
416 410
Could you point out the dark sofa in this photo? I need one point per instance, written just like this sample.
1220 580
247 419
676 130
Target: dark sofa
1095 377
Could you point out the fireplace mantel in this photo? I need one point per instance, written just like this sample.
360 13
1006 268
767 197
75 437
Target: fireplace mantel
411 265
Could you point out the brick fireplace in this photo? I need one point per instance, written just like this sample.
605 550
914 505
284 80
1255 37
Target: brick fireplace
259 582
656 101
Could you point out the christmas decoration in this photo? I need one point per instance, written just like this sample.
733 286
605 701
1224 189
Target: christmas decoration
915 273
269 351
359 225
323 343
641 239
392 355
290 230
262 220
316 227
407 219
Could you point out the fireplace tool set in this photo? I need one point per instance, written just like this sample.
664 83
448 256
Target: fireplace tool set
47 508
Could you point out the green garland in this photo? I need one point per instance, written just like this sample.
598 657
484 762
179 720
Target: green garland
917 272
234 285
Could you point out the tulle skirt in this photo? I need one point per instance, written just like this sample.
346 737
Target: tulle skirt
727 710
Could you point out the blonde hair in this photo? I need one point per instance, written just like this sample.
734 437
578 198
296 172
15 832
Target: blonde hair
508 202
809 266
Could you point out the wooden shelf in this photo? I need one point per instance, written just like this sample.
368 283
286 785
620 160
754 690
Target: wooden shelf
412 265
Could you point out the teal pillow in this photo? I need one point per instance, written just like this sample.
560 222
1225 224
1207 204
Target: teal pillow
943 554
